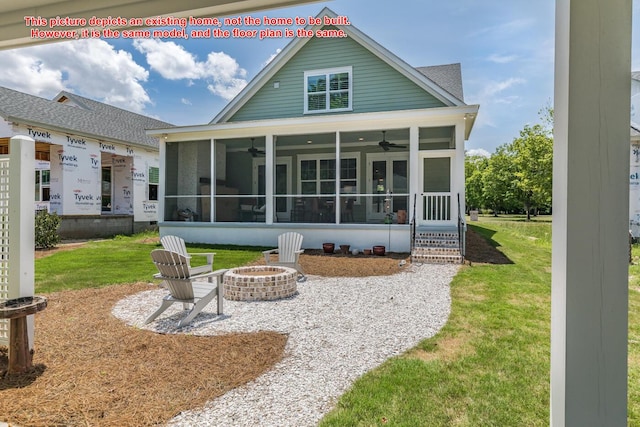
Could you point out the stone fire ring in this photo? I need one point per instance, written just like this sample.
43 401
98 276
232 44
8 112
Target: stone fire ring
260 283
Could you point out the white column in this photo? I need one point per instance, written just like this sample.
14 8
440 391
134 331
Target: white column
338 202
458 169
214 180
22 184
590 197
269 173
415 186
162 162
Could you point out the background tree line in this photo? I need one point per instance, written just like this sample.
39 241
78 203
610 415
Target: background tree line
517 177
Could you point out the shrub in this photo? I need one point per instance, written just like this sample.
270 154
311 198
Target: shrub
47 224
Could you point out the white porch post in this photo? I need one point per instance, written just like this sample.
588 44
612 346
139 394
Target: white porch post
22 221
589 309
268 178
458 184
214 179
162 164
415 187
338 202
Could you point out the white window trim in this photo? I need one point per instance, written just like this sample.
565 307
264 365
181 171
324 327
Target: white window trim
327 156
327 72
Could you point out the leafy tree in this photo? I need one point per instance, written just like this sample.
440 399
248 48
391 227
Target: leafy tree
532 155
499 181
474 167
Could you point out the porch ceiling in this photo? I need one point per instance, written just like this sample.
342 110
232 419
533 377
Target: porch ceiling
365 137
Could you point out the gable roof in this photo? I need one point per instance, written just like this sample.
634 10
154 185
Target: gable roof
83 116
446 75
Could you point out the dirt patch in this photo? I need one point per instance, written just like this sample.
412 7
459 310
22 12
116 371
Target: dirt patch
315 262
41 253
480 251
91 369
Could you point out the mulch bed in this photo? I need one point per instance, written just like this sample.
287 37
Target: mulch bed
91 369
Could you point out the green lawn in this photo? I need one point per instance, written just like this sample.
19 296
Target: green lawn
121 260
489 366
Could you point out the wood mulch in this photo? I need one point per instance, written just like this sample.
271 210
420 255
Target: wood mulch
91 369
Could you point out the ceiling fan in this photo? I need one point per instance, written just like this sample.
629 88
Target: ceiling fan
386 145
254 151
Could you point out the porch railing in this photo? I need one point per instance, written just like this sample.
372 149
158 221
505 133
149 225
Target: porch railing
413 223
461 233
436 206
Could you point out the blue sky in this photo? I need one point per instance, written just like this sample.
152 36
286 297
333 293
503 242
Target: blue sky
506 50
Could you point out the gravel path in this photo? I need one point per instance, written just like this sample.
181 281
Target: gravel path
339 328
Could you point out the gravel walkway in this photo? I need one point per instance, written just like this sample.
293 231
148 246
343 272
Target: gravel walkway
339 328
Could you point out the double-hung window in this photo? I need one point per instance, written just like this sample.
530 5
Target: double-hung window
154 180
328 90
318 174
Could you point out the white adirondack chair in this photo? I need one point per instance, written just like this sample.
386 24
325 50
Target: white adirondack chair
183 287
289 250
176 244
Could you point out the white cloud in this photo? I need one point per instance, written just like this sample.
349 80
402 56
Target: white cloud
185 101
224 75
494 88
478 152
169 60
89 67
271 58
501 59
495 97
504 29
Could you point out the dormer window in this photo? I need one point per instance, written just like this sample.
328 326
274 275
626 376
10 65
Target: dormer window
327 90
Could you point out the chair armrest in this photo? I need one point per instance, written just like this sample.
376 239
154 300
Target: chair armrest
210 274
209 256
268 253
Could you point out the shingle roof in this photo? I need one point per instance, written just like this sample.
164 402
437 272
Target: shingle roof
89 118
448 77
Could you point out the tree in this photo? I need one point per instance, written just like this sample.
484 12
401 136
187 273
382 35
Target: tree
474 167
499 178
532 155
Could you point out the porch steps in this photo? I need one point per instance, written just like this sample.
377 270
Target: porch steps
436 248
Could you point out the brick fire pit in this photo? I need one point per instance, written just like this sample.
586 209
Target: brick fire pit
260 283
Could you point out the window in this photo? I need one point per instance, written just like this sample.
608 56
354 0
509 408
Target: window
318 175
154 179
327 90
42 185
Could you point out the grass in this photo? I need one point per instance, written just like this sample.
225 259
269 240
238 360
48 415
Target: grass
489 365
124 259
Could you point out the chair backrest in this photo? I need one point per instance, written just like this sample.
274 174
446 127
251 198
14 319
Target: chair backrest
174 244
288 244
174 270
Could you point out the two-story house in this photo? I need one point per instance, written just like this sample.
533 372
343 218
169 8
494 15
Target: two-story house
336 138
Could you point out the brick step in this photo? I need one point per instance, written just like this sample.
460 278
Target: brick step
449 235
437 259
430 250
437 243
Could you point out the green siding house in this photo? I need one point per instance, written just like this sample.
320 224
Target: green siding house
336 138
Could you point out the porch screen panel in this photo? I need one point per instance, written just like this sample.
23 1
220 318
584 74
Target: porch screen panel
4 244
188 181
437 173
437 189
